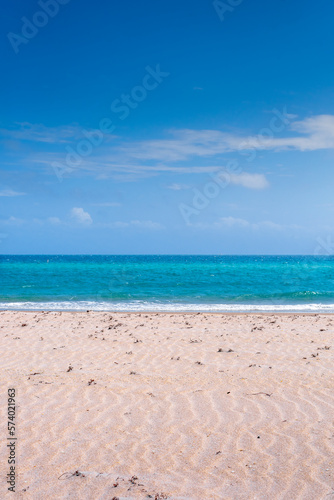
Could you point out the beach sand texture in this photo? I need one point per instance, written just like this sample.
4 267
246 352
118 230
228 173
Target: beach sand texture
192 406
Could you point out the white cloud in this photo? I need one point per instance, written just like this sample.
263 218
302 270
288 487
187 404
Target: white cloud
54 221
177 187
316 133
146 224
80 216
102 162
233 221
10 193
251 181
242 223
13 221
184 145
37 132
132 160
268 224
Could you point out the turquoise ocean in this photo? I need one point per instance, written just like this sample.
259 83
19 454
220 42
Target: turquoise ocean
167 283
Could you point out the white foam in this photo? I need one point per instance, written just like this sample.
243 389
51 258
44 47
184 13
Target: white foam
163 307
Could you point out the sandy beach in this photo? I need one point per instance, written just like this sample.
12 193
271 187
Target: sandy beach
191 406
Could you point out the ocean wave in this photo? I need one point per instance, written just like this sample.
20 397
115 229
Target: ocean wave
141 306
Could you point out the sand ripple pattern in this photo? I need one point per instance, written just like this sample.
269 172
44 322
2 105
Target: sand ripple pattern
178 406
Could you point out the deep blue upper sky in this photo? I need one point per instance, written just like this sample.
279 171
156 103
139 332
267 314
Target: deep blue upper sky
167 127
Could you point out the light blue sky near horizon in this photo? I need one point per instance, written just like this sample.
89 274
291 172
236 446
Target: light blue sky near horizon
223 144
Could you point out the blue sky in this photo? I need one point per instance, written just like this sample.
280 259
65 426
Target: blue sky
167 127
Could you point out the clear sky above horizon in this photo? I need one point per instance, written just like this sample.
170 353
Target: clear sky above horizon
169 127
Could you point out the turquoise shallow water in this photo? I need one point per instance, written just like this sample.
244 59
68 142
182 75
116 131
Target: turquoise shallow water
168 283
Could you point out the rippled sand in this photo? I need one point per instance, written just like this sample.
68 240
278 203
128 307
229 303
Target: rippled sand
191 406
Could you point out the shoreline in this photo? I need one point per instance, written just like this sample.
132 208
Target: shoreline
192 313
90 308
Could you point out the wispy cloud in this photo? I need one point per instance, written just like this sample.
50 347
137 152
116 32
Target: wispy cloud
183 151
145 224
37 132
103 165
239 224
55 221
177 187
12 221
250 181
316 133
10 193
234 222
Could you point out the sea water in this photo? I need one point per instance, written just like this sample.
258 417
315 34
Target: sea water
167 283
